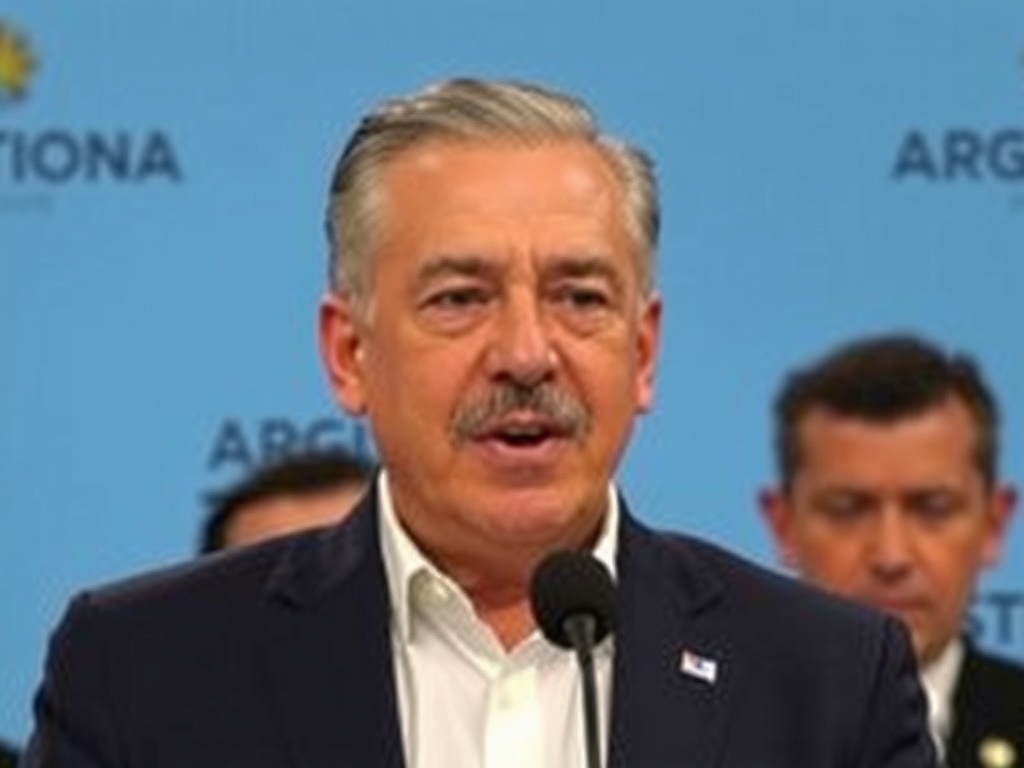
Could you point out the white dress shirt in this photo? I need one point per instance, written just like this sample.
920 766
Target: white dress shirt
466 702
939 681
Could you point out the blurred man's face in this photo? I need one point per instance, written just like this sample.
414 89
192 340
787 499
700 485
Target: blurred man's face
289 513
896 515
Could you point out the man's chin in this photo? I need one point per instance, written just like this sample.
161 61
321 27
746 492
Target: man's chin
926 647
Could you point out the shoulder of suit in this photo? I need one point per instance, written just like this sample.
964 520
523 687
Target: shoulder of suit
988 669
201 579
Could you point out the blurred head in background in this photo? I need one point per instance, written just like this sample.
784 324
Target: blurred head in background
302 490
887 452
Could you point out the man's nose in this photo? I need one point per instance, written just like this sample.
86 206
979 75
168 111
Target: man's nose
893 546
522 349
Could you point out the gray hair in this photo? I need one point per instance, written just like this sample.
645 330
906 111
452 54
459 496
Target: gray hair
471 109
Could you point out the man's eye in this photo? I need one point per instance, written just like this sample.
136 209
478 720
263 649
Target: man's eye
844 509
934 507
584 298
456 298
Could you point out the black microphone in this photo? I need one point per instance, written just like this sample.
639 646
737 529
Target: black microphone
573 599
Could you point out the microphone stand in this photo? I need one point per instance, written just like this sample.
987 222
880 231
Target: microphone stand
580 628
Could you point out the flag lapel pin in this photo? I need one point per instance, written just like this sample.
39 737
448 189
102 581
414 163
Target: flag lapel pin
700 667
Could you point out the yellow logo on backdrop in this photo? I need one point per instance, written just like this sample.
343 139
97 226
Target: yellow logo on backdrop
16 63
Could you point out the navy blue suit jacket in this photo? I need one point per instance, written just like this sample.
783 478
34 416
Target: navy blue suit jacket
280 655
988 710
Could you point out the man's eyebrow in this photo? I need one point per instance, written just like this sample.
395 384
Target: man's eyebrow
582 265
935 489
559 266
843 490
445 265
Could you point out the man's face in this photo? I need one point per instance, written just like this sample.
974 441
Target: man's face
288 513
498 268
896 515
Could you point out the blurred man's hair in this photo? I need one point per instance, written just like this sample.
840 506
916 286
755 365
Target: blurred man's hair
296 474
884 379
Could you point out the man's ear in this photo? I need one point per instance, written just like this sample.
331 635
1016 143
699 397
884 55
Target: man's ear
778 517
648 343
342 353
1002 504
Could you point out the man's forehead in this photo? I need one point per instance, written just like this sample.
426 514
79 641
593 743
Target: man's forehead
947 416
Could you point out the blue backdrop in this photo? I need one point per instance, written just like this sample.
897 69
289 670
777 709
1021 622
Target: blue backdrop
828 168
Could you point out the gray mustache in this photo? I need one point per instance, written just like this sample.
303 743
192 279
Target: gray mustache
474 418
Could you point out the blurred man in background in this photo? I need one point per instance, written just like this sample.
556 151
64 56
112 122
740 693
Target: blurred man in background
8 756
887 454
299 491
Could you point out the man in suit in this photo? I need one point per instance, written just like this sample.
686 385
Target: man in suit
887 453
492 313
301 490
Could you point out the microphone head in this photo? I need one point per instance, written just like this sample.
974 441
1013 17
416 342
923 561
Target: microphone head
570 583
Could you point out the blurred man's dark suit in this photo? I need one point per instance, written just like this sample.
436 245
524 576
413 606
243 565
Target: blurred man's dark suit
8 756
988 713
281 655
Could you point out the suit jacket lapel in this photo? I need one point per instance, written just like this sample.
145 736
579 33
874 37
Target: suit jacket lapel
329 656
665 712
985 716
961 750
